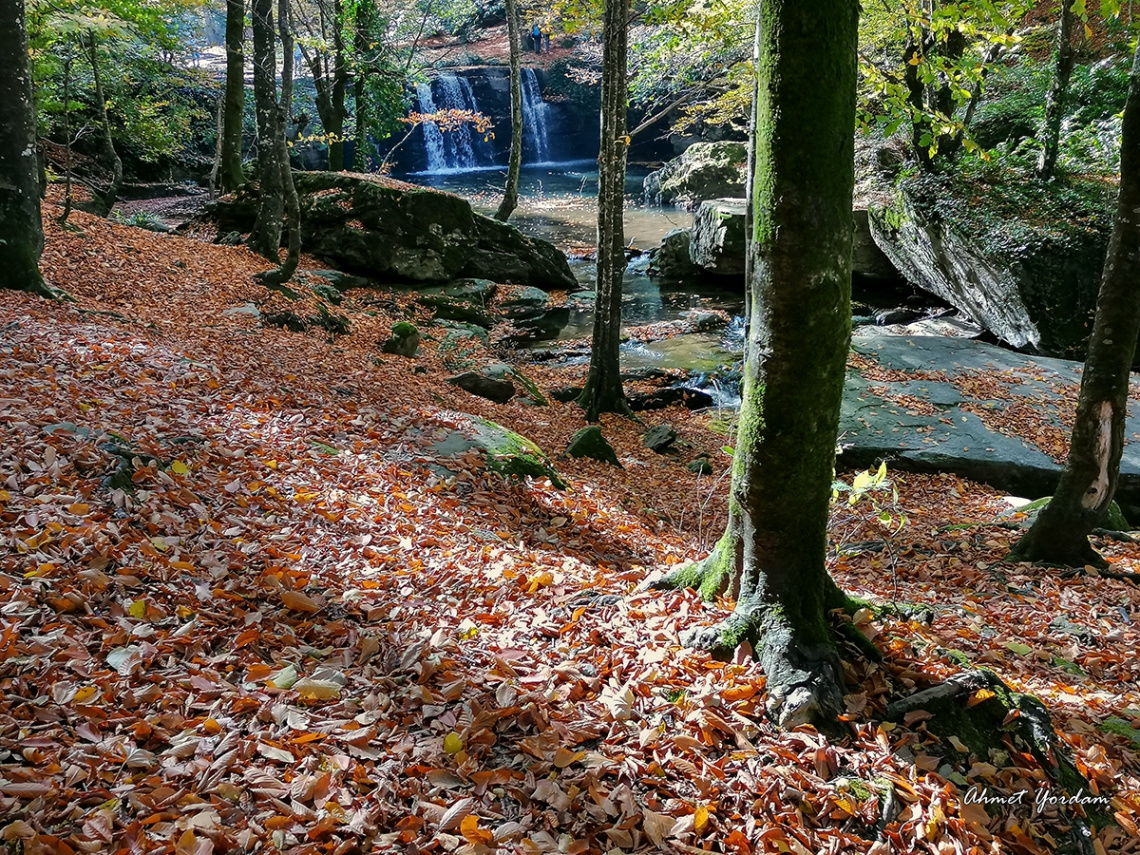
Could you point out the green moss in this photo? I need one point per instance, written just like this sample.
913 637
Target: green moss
512 454
403 329
1120 727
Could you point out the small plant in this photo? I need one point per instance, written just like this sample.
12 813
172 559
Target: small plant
141 220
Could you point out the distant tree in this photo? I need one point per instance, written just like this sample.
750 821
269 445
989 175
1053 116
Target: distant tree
603 392
326 56
266 237
511 190
292 203
233 114
772 554
21 231
1064 59
1059 535
107 200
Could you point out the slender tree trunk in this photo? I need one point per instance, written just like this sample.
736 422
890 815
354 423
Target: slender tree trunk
266 237
219 127
1055 101
234 115
511 191
360 87
67 194
1088 481
20 225
795 359
111 196
292 204
603 392
335 126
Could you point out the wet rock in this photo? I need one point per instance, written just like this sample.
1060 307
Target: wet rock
694 399
660 438
900 315
589 442
404 341
671 260
700 466
457 309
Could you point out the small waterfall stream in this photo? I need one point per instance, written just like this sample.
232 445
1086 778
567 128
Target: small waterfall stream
536 143
433 137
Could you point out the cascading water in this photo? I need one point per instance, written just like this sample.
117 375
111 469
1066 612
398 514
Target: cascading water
536 143
463 147
433 137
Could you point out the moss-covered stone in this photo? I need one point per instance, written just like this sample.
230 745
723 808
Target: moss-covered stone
327 293
404 341
456 309
1114 520
506 452
589 442
705 170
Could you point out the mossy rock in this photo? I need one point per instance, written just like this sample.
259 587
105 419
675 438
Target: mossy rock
502 371
404 341
327 293
478 291
660 438
456 309
589 442
700 466
506 452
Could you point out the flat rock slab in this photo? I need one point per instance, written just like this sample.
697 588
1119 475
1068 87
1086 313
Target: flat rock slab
942 404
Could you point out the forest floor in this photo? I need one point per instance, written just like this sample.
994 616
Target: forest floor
279 630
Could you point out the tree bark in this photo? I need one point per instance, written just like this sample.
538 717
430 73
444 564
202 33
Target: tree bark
111 195
67 193
603 391
20 226
1058 90
1088 481
234 113
266 237
774 549
511 190
360 87
292 203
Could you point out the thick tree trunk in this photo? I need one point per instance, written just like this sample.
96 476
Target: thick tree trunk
111 196
292 203
1088 481
795 358
603 392
266 237
20 225
511 190
1058 90
234 113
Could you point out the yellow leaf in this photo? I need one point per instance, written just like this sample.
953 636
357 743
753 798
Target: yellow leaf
317 690
179 468
299 602
77 508
86 694
700 818
471 831
979 696
5 496
452 744
138 609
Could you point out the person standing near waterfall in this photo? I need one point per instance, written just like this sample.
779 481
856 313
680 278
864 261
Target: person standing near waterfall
536 37
546 30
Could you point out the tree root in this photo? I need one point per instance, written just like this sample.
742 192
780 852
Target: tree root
713 576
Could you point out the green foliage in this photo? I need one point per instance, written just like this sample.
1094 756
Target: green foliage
872 489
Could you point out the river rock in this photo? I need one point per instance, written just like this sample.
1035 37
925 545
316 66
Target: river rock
1032 282
717 237
705 170
386 229
524 303
671 260
589 442
456 309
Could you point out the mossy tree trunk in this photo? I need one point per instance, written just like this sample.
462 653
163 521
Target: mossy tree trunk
266 237
1065 57
773 552
20 226
292 203
360 87
233 113
511 190
1060 533
110 155
603 392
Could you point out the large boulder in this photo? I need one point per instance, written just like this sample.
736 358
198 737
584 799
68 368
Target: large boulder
387 229
716 243
504 451
671 260
1027 270
705 170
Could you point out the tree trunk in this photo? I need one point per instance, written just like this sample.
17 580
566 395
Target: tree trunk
1055 101
795 360
1088 481
292 204
511 191
360 87
334 126
20 225
266 237
111 196
234 114
67 193
603 392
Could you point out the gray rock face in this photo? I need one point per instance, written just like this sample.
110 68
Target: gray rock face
505 451
660 438
671 260
1038 296
867 259
387 229
589 442
717 237
946 433
705 170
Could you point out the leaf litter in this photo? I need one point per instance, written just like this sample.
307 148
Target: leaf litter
217 635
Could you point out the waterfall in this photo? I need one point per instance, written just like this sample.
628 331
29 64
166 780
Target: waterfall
433 136
536 144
